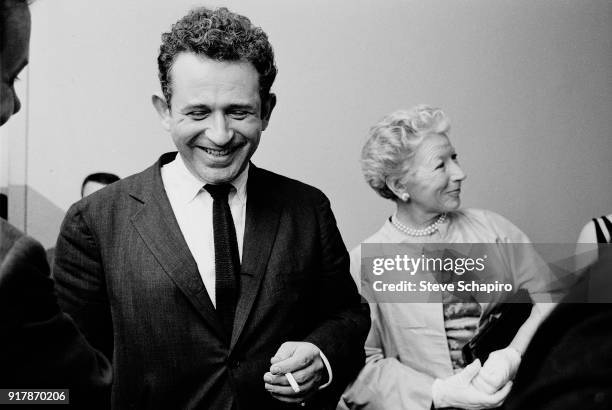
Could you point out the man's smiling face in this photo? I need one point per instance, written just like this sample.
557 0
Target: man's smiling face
216 115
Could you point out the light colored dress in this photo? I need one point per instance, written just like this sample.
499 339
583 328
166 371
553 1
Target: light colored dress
407 347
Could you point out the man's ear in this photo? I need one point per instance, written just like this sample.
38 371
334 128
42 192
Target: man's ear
163 110
266 110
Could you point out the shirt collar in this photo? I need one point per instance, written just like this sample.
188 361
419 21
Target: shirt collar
240 183
188 186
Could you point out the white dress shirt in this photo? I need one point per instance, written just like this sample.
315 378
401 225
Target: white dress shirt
193 209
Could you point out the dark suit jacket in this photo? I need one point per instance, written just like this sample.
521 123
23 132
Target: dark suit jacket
40 347
123 264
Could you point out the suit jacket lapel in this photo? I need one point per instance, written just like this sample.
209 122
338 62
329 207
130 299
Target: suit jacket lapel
262 218
157 225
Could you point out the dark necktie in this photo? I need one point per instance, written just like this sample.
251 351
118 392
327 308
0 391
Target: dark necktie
227 258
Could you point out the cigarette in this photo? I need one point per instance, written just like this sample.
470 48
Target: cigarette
292 382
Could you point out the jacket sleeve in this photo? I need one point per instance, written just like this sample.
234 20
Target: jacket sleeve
344 316
80 283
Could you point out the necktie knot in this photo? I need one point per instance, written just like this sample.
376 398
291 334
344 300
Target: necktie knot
220 191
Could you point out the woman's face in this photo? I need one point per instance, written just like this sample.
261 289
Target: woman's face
434 179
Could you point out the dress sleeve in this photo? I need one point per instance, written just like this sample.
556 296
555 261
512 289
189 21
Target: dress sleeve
384 382
527 268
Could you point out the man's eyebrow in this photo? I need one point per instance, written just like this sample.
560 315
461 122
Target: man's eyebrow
241 106
200 106
195 106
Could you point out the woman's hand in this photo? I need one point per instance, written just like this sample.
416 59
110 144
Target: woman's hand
459 391
498 370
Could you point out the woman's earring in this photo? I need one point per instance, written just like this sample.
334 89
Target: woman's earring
405 197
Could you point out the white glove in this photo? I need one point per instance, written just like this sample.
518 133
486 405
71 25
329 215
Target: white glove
498 370
458 391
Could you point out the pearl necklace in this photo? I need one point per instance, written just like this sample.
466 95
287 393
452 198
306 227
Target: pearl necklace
428 230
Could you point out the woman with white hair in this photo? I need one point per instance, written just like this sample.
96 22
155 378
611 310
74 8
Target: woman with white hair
413 351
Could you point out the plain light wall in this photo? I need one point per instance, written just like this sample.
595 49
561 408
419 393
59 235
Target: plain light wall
527 85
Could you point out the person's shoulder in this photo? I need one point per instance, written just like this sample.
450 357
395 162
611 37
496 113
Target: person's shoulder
9 235
483 215
384 234
587 233
15 242
283 183
109 195
130 183
285 187
492 222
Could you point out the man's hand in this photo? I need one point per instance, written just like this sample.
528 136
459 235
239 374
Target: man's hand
458 391
498 370
303 361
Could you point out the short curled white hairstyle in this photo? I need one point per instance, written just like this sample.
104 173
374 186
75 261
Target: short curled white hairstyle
392 142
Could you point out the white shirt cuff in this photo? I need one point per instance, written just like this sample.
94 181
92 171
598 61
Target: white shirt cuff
329 370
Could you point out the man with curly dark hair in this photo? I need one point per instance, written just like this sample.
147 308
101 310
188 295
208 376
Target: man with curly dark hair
215 284
220 35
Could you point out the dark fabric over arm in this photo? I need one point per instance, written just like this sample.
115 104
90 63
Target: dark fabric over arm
80 281
345 316
40 346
